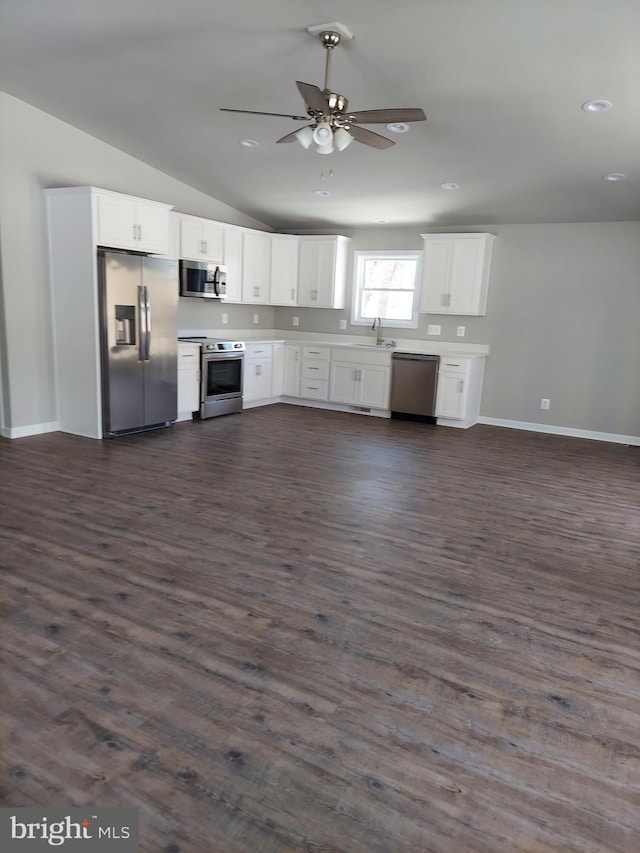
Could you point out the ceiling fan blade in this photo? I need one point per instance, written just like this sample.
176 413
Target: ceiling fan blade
313 96
368 137
258 113
389 116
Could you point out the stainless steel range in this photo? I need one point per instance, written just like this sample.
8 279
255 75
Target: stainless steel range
221 375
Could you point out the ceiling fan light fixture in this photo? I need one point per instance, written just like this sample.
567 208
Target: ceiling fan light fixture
342 138
305 136
325 149
323 135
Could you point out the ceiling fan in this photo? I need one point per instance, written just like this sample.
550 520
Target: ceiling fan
333 126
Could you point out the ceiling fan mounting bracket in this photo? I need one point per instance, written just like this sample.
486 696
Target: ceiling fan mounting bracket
333 27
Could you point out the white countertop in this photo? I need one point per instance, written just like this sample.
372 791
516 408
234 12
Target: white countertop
425 347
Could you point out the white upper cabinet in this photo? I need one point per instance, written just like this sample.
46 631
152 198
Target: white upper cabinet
201 239
284 269
256 266
455 273
322 271
125 222
233 263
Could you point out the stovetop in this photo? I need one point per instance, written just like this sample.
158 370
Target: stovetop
216 344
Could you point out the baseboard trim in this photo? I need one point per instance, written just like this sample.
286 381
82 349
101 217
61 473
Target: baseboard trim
558 430
32 429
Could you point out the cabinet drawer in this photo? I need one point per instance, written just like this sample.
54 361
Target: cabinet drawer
314 369
316 352
188 357
256 350
454 365
314 389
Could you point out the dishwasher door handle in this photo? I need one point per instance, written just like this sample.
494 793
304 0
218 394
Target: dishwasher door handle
414 356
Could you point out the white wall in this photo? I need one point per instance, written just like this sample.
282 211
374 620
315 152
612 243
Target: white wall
37 151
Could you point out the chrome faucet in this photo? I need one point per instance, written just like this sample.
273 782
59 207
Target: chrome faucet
379 339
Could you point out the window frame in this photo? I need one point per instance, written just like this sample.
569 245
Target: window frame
359 262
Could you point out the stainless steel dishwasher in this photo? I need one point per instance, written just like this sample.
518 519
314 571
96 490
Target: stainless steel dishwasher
414 378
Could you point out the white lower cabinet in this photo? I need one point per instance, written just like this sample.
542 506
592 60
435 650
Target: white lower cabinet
314 372
360 377
188 380
291 370
263 373
459 391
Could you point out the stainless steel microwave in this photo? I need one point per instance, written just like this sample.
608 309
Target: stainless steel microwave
198 278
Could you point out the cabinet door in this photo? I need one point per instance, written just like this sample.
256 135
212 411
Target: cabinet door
343 384
257 380
213 240
308 262
191 243
188 391
435 276
277 370
152 227
284 270
464 276
291 383
325 280
450 398
256 267
373 387
233 263
116 222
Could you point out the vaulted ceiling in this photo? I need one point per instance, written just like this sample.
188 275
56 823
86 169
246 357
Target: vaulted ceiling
501 81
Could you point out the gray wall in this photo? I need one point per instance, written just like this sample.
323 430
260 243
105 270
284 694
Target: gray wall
36 151
562 321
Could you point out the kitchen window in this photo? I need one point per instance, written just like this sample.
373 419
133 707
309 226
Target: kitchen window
386 286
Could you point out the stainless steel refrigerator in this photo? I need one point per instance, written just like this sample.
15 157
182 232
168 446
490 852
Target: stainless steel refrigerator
138 304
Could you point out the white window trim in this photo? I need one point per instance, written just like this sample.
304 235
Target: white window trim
355 292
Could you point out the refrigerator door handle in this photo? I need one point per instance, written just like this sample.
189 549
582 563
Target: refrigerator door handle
147 311
142 323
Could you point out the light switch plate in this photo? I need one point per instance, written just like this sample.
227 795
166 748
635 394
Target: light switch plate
343 324
225 319
256 319
460 331
296 321
434 330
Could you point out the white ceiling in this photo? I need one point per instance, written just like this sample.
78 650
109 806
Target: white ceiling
501 82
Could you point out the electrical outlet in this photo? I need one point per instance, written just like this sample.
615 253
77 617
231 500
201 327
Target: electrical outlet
460 331
545 403
343 324
296 321
434 330
225 319
256 319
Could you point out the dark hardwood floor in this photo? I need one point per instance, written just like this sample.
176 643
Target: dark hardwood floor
295 630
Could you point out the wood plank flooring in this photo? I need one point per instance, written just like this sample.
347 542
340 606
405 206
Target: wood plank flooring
295 630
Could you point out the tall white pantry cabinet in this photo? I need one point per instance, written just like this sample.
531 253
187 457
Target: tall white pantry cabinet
79 220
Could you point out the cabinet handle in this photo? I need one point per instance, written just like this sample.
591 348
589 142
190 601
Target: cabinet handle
256 291
258 370
139 232
188 355
312 387
313 368
461 386
293 294
204 244
135 232
314 352
297 358
314 295
452 364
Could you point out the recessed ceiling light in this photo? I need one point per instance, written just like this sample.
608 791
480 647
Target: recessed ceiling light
596 106
398 127
450 185
249 143
322 193
615 176
381 221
